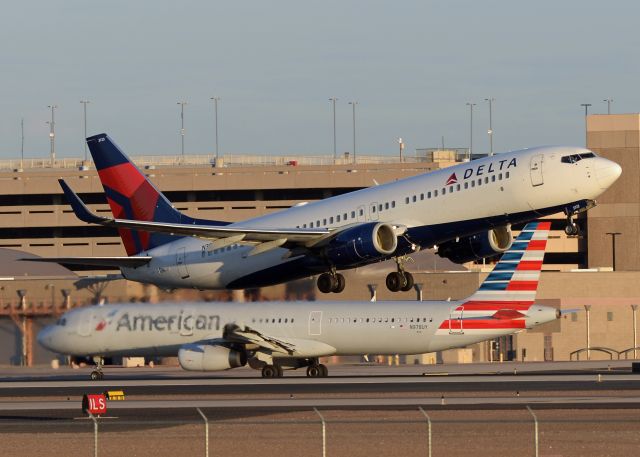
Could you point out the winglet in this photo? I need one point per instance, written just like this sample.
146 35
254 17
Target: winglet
79 208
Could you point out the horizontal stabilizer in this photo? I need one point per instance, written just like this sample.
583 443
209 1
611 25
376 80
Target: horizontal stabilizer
507 314
127 262
88 281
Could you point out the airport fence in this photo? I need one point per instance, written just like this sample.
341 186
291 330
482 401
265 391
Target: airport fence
530 431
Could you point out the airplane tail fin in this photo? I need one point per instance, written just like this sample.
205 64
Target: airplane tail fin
513 283
132 196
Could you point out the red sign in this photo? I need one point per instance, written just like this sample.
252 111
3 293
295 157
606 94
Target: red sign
94 404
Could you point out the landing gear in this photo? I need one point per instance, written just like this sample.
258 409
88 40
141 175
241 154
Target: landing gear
272 371
331 282
400 280
571 229
317 371
97 374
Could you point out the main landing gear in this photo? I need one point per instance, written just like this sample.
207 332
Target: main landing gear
331 282
272 371
400 280
317 371
97 374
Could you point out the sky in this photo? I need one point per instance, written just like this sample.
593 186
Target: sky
412 65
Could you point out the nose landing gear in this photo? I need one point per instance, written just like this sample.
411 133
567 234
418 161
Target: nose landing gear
571 229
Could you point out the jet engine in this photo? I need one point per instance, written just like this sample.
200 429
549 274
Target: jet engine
362 242
210 357
478 246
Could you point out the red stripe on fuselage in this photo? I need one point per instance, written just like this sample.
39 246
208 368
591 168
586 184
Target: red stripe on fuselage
483 324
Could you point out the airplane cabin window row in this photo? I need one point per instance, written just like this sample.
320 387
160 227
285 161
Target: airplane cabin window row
470 184
379 207
373 320
273 320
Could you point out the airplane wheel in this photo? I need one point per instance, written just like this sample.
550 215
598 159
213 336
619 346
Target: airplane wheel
96 375
269 371
313 371
326 283
324 372
340 283
409 282
572 230
394 281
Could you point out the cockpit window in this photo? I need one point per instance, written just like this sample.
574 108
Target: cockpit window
573 158
61 322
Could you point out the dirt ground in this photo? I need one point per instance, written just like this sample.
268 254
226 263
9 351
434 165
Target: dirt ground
404 433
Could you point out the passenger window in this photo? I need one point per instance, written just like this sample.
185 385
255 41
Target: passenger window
386 205
344 216
361 212
338 218
324 222
500 176
421 196
429 194
317 223
444 190
450 189
406 200
466 185
473 183
414 199
353 214
480 181
506 175
486 180
435 193
331 220
393 203
493 178
380 207
311 224
457 186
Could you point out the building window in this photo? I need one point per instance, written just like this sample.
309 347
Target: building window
610 316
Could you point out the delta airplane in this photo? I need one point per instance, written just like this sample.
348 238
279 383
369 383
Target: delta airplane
288 335
465 210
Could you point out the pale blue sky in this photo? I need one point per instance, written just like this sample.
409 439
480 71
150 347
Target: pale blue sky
411 65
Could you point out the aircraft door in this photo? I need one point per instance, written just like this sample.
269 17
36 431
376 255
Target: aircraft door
187 322
456 320
86 323
181 263
315 323
536 170
373 211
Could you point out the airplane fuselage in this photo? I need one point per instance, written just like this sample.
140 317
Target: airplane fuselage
461 200
321 328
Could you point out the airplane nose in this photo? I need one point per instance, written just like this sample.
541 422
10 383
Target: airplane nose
45 337
607 172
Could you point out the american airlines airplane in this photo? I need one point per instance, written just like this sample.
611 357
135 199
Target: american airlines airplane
465 210
287 335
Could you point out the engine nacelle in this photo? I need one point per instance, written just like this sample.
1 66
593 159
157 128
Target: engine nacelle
363 242
208 357
478 246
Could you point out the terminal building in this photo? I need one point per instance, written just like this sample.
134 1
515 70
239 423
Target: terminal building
597 273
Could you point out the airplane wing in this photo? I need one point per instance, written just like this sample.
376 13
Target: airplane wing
307 237
127 262
264 237
294 347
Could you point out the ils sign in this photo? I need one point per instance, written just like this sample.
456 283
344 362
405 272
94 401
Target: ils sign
94 404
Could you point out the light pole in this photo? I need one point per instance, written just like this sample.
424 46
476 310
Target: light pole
613 248
470 105
587 309
490 131
353 105
84 140
586 113
609 102
634 308
215 105
52 133
21 143
182 125
333 103
401 147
